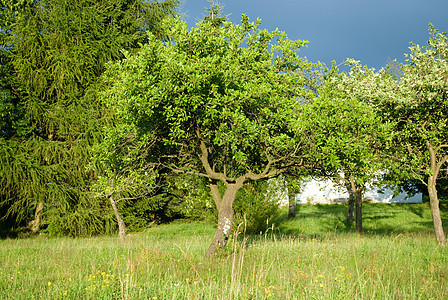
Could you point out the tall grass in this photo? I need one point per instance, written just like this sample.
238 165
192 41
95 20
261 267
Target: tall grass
292 260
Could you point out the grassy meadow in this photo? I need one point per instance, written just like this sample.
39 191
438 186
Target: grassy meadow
317 255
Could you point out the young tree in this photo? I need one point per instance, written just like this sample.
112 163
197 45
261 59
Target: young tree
224 102
129 173
417 104
350 137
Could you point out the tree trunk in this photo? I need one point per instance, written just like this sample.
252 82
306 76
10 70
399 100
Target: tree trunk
435 211
292 211
292 206
121 225
35 224
225 215
351 209
351 206
358 204
351 201
355 198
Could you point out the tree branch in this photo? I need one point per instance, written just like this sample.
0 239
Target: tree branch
440 147
204 158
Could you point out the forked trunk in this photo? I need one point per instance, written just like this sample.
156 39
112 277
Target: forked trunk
435 211
225 215
121 225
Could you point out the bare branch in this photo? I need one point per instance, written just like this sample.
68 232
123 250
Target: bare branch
440 147
178 170
204 158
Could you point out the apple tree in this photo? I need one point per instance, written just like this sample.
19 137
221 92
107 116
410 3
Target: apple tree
350 136
416 102
419 105
223 102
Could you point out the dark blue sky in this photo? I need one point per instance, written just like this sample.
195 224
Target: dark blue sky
367 30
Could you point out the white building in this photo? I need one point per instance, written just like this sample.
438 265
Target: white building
326 192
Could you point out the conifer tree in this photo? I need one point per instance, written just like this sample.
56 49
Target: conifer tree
214 14
56 50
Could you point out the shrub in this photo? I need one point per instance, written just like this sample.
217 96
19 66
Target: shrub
257 204
194 201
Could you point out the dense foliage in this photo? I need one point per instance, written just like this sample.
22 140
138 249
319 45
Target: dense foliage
53 53
351 138
224 103
111 112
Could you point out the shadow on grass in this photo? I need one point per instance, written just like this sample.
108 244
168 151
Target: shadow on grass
416 210
17 233
378 219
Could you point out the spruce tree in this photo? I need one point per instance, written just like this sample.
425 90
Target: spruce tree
56 51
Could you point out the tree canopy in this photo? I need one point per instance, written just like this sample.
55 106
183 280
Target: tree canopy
350 136
104 100
224 103
416 102
419 105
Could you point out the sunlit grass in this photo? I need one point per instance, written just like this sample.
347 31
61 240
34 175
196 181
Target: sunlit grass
167 262
377 219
